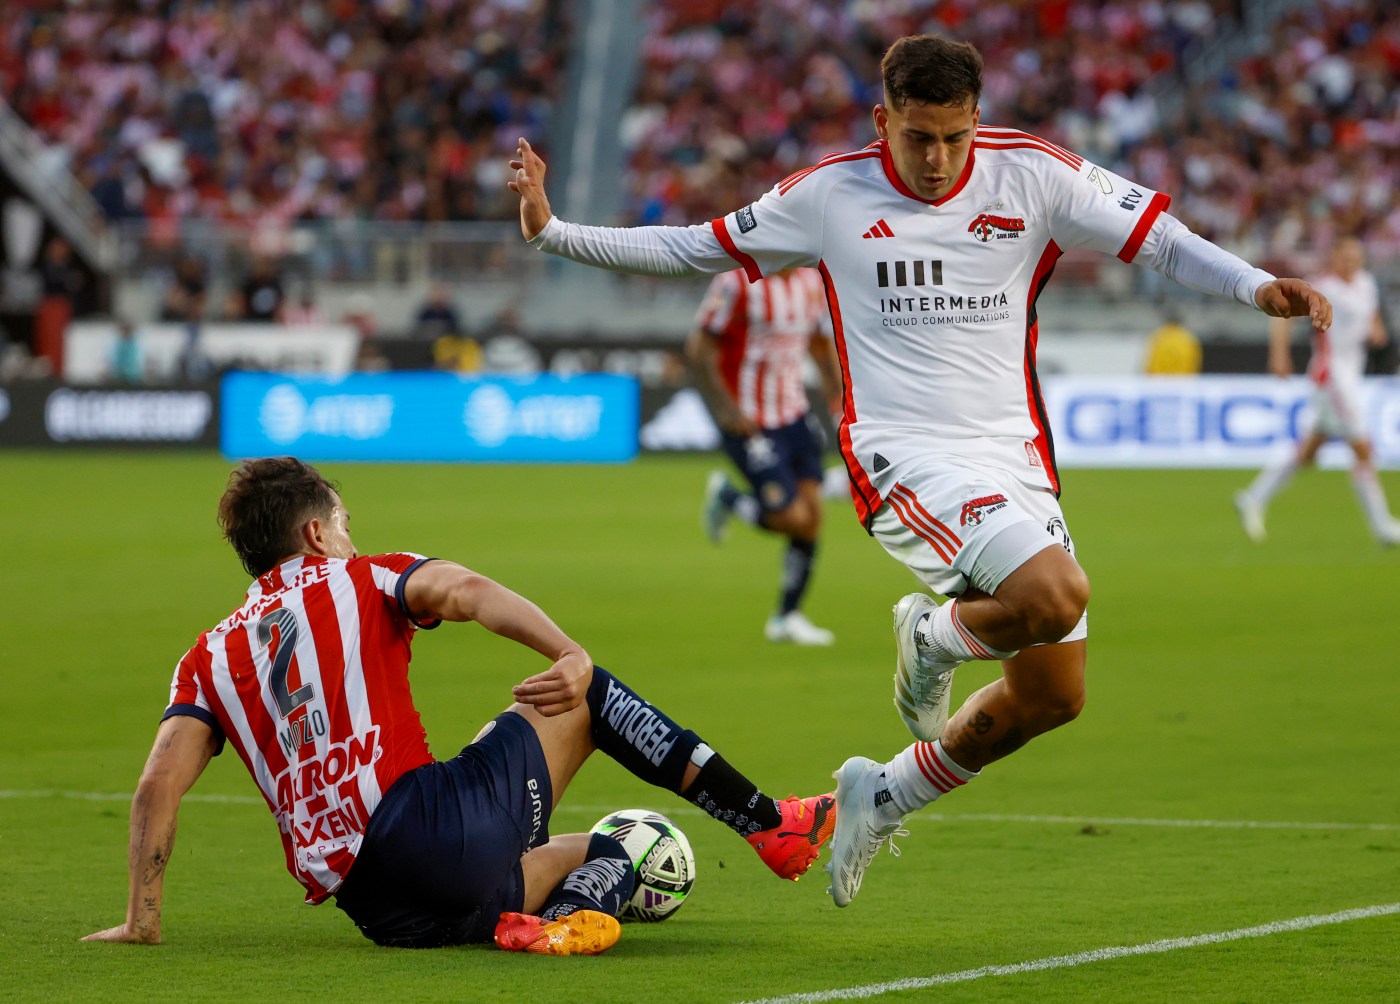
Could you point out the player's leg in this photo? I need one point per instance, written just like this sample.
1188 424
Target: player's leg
796 478
1370 495
1252 503
754 456
642 738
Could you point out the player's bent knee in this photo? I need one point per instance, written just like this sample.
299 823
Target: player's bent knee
1057 609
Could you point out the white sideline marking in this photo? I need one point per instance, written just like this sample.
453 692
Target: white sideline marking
920 817
1084 958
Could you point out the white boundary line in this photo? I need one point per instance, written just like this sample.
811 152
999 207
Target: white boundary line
921 817
1085 958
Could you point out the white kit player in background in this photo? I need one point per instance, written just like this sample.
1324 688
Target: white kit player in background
1336 369
934 243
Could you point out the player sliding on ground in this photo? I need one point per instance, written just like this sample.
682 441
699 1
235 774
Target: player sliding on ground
308 680
934 243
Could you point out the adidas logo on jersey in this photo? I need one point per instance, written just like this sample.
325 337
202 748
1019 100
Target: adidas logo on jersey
880 229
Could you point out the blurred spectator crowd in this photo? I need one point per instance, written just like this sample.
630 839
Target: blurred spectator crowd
265 112
1293 143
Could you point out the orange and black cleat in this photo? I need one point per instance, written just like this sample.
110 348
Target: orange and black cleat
585 932
791 846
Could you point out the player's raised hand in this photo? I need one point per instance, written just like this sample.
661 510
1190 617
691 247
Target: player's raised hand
529 185
1295 298
560 688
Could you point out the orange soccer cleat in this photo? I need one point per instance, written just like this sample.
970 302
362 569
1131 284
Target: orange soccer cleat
791 846
585 932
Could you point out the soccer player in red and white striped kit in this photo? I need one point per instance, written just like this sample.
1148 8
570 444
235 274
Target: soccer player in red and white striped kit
934 244
747 355
308 681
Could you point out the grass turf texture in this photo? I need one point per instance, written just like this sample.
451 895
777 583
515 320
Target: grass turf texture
1227 682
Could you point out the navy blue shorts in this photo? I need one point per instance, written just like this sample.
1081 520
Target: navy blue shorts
440 860
775 460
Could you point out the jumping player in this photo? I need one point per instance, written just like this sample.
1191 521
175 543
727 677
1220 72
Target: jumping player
1336 368
934 243
308 680
746 356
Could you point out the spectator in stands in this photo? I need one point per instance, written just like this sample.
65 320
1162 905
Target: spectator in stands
303 310
63 278
1173 350
437 316
262 295
126 363
186 294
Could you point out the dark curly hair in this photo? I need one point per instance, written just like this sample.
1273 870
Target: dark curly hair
932 71
265 505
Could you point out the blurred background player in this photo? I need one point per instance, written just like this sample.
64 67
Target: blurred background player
308 680
746 355
935 243
1336 368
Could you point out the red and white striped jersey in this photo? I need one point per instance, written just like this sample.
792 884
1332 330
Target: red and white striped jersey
765 331
308 680
1339 353
933 302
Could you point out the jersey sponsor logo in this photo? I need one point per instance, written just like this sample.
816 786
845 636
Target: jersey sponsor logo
986 227
935 310
880 229
977 509
1132 201
746 219
909 273
1099 178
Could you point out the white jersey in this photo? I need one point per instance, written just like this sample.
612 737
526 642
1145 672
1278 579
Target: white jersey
932 303
1339 353
765 332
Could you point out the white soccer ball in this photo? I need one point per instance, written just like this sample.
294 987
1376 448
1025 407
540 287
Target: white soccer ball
662 861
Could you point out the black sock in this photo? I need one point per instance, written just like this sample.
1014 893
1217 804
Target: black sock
604 882
636 734
732 798
797 568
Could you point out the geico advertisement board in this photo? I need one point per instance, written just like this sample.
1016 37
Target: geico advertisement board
1203 421
431 417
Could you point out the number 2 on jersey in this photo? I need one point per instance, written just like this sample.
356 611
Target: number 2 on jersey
287 629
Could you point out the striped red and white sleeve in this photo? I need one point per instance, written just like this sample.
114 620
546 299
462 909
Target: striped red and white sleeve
187 696
389 573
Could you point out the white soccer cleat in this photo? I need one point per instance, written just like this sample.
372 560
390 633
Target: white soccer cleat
795 628
860 831
1389 534
714 514
1251 516
923 687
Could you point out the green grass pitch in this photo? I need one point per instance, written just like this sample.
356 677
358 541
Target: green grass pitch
1227 683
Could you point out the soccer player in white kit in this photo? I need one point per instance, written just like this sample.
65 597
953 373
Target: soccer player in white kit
1336 368
934 243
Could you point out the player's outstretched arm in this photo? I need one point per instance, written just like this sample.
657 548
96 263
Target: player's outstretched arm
529 185
182 749
1294 298
443 589
702 357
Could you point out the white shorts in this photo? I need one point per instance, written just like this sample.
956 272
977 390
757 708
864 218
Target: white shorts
955 525
1337 409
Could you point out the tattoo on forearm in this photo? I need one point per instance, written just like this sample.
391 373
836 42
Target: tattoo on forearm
982 723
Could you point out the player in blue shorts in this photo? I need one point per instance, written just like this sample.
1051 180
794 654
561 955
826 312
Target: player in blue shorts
747 354
308 682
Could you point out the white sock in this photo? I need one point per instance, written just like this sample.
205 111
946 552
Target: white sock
1372 498
921 774
1270 481
943 633
746 507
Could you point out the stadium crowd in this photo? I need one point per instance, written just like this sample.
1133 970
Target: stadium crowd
267 112
1297 141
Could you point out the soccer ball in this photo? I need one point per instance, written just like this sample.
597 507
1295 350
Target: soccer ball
662 860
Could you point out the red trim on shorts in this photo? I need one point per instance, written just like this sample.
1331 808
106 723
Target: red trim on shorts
900 507
751 269
928 516
1155 208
